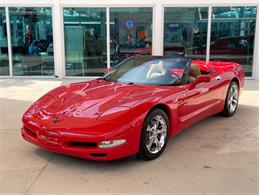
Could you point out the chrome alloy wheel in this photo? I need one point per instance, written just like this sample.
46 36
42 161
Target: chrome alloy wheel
232 98
156 134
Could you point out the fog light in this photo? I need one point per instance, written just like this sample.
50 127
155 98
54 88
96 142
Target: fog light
111 144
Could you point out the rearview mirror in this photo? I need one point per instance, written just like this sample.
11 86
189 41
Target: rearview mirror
107 70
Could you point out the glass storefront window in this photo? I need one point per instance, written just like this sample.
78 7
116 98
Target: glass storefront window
4 62
185 32
85 41
130 33
232 35
32 41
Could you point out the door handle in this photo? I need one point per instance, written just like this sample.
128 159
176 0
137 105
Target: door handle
218 78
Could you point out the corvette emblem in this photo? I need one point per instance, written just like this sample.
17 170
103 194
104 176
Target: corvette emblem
56 120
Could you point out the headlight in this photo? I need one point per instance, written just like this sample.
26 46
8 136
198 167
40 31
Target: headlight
111 144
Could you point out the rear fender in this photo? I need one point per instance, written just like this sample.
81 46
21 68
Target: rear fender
240 75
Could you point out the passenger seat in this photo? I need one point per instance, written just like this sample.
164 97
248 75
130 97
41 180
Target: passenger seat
194 72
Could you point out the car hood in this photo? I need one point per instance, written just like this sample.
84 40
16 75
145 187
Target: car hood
91 99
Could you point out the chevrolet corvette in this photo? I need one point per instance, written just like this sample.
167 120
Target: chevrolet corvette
134 109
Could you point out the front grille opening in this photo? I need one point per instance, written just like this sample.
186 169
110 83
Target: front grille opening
98 154
82 144
30 132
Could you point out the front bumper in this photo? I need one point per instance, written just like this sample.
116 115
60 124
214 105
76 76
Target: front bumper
79 145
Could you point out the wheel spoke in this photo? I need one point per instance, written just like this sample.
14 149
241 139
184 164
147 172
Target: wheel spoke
155 126
161 131
150 143
231 91
149 129
157 143
234 94
230 107
157 121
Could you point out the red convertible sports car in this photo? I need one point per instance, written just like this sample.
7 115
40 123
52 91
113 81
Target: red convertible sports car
133 109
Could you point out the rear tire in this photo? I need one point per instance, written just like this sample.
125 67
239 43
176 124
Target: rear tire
154 135
232 98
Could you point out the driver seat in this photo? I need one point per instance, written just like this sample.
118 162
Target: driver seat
194 72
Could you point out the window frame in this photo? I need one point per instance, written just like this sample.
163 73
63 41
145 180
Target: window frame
107 7
255 65
9 39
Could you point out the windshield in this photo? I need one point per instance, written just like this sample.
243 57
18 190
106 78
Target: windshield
151 70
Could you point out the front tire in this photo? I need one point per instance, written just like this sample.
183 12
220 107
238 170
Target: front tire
232 98
154 135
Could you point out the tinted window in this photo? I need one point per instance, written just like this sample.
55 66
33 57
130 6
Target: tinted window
185 31
32 41
130 32
4 62
232 35
85 41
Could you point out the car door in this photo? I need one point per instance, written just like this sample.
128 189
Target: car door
202 99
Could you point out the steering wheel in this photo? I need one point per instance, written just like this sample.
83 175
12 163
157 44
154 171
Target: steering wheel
175 75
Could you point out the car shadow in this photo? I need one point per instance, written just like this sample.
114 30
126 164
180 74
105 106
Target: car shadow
61 160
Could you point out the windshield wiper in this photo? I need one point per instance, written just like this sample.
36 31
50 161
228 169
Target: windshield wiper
128 83
107 79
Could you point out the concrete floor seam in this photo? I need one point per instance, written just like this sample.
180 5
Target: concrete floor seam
41 171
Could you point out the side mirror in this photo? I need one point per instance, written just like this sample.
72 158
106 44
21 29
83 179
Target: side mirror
107 70
203 78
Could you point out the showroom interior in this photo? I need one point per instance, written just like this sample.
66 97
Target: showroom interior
65 39
50 44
